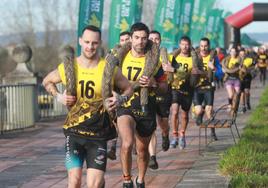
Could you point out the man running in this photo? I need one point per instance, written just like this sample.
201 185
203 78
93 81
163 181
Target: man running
248 63
124 37
87 126
163 103
204 92
182 91
262 62
133 118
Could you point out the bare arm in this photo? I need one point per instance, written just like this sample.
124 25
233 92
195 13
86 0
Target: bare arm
50 82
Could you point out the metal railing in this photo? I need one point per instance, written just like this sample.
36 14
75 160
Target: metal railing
48 106
17 106
22 105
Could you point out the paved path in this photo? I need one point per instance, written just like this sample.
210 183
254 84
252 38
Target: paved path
35 158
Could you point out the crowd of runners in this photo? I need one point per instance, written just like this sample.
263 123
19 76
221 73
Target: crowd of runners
150 89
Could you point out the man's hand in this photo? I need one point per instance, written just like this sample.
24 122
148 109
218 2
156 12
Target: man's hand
211 65
167 67
111 102
67 100
115 101
145 81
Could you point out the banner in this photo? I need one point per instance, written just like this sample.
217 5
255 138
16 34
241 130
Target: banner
199 19
212 28
90 13
123 14
216 30
187 8
167 18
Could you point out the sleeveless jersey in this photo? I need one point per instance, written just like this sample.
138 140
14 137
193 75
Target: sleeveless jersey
132 69
262 61
187 64
87 117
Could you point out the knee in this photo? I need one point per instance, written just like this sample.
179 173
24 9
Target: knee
95 183
127 146
184 115
174 112
198 110
74 181
142 152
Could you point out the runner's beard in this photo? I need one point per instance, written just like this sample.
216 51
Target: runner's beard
139 49
90 55
204 52
185 51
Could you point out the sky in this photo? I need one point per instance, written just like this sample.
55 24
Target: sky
236 5
228 5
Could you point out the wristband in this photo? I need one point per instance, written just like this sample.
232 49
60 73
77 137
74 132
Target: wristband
121 99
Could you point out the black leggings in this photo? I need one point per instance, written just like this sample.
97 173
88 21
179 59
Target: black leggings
262 74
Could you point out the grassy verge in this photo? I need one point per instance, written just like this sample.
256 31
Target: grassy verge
247 162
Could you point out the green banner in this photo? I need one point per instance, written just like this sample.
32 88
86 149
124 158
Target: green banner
187 8
138 10
167 18
216 30
199 19
212 28
221 29
90 13
123 14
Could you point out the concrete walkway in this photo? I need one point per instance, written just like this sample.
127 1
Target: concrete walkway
35 157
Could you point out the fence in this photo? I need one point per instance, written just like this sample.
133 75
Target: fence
22 105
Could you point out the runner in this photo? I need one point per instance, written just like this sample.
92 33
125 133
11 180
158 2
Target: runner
163 103
137 60
182 89
124 37
204 92
262 64
231 66
248 63
87 127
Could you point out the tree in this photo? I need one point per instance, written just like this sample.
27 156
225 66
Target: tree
40 25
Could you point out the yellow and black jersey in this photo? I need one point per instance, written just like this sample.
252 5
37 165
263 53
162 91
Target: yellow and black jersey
187 64
248 62
88 108
233 62
132 69
204 81
262 60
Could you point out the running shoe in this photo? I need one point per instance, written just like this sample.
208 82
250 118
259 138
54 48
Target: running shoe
128 184
182 142
165 143
153 163
139 185
174 143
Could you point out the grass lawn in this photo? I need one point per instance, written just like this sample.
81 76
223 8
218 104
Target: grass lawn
247 162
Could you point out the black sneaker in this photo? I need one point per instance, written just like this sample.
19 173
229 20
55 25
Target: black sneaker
139 185
248 106
213 135
153 163
128 184
165 143
198 120
244 109
112 154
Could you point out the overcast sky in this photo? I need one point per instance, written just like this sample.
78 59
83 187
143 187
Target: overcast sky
236 5
227 5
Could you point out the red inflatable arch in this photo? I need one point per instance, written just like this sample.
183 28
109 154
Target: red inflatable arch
233 23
